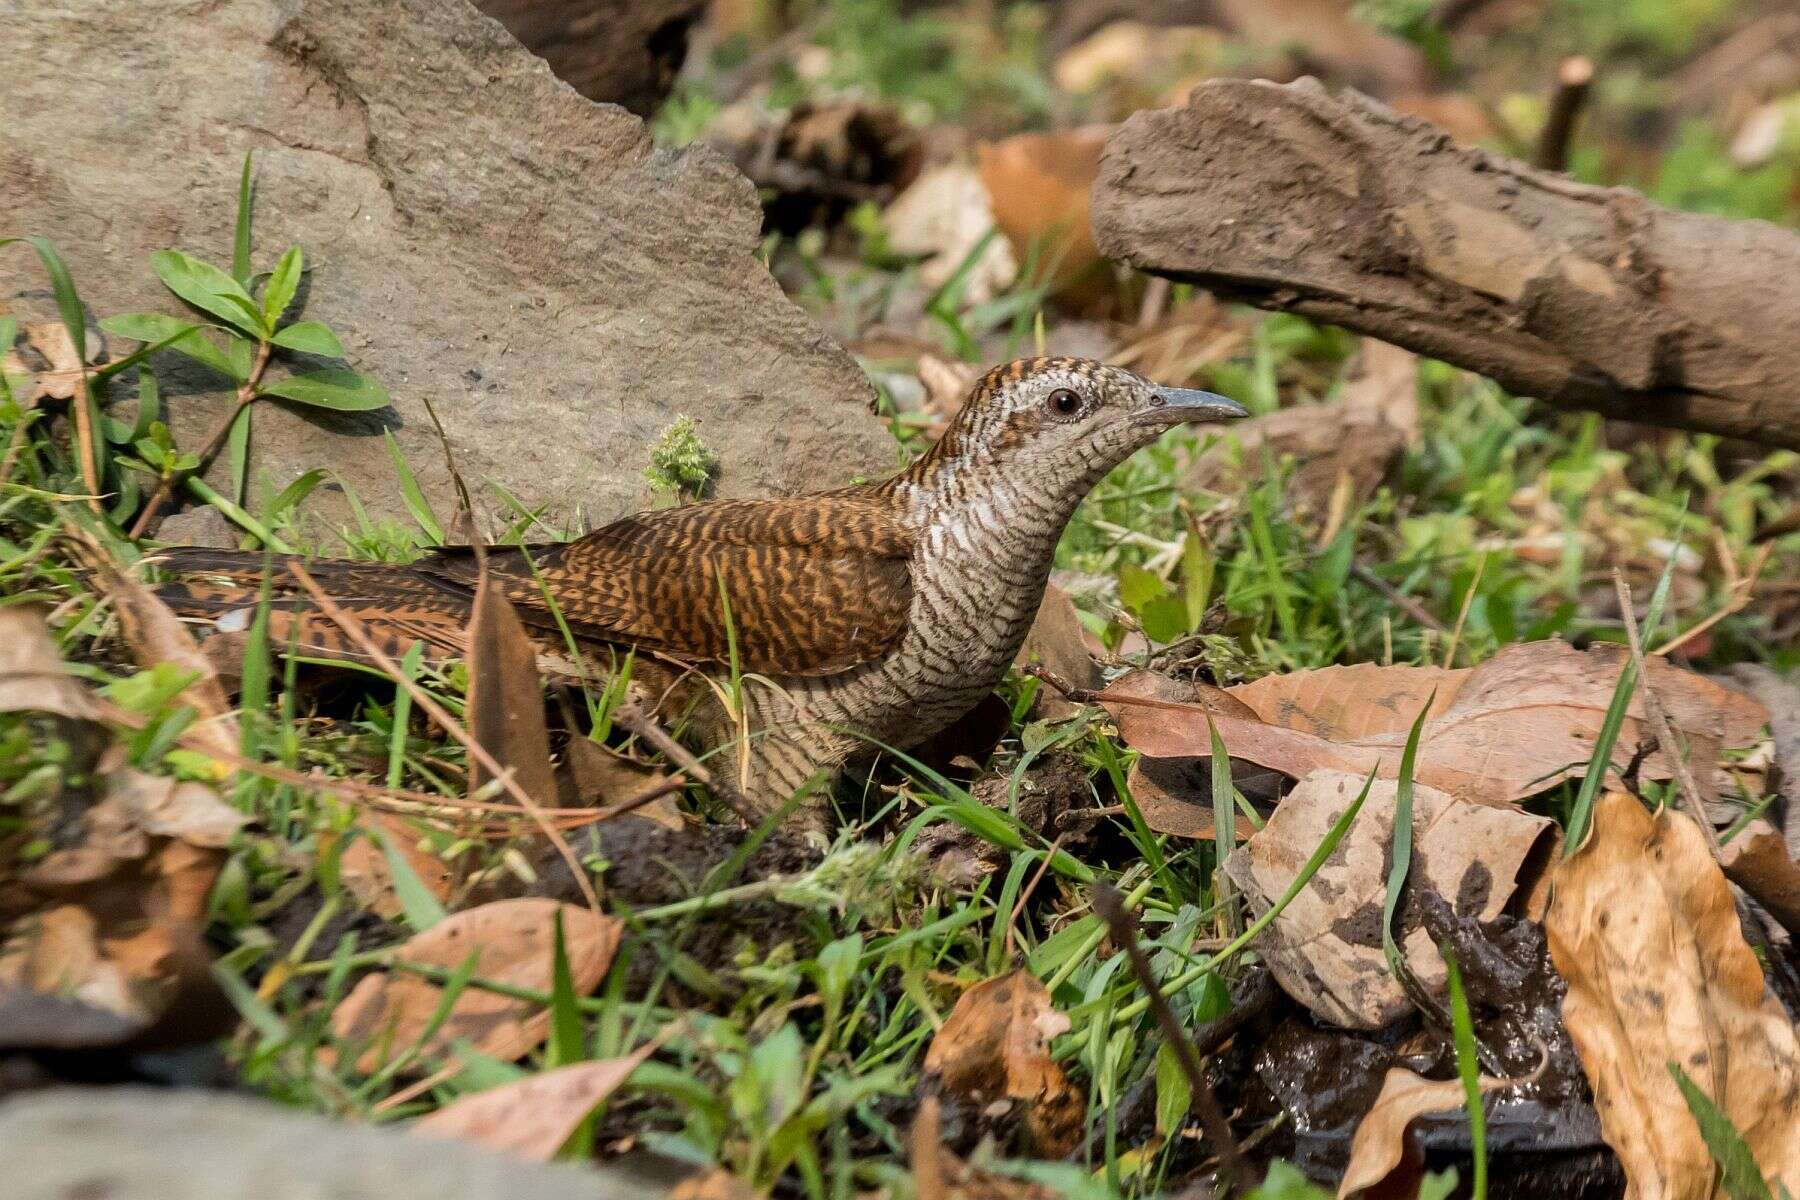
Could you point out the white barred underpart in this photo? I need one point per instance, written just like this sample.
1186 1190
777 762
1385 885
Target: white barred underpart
987 533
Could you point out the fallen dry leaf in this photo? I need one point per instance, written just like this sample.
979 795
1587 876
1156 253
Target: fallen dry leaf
1517 725
505 710
1382 1145
387 1012
1347 703
1057 642
1039 186
995 1047
1757 860
942 217
813 164
364 868
32 675
60 375
598 775
156 635
716 1184
939 1174
1325 947
1643 928
1128 54
533 1117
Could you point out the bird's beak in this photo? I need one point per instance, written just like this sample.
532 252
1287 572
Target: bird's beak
1177 406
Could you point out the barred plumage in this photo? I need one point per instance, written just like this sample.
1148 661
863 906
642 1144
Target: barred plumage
874 614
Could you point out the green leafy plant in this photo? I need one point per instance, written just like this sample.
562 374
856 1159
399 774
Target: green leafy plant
256 331
680 462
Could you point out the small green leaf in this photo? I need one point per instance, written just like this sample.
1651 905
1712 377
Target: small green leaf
284 281
565 1017
418 906
240 245
416 503
9 333
1739 1176
241 352
1174 1094
159 327
1139 588
209 289
102 374
309 337
341 390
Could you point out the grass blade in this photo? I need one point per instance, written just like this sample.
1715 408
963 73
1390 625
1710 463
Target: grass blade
1462 1029
1600 764
1739 1176
240 245
1402 843
565 1015
418 906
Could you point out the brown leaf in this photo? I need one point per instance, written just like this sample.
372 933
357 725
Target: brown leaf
995 1045
513 941
716 1184
1325 947
60 375
532 1117
1056 643
1643 928
32 675
156 635
1039 185
365 871
1519 724
506 697
1347 703
598 775
1381 1143
1757 860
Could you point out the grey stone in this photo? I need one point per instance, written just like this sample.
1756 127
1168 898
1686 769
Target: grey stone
478 234
131 1143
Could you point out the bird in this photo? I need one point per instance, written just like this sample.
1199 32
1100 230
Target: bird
795 633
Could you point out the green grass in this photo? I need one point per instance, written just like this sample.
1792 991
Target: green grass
798 1054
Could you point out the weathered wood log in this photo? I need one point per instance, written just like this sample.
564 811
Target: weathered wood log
1337 208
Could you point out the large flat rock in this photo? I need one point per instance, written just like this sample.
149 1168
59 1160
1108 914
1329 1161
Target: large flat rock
479 235
132 1143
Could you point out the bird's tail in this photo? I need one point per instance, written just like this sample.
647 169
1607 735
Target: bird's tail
396 605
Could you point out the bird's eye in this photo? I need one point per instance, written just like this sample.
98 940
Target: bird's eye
1064 403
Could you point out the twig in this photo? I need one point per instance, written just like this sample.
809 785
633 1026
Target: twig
246 396
1659 721
1397 598
1574 75
1037 877
353 629
1462 614
636 721
1212 1116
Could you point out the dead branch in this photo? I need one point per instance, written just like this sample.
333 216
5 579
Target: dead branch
1574 76
1340 209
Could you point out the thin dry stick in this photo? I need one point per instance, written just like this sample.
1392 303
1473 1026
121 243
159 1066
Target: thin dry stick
245 397
353 629
1037 877
1462 614
1742 591
1218 1131
1396 597
1659 721
635 721
1574 75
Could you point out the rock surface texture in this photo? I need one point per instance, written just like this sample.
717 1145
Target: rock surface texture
153 1144
1336 207
479 235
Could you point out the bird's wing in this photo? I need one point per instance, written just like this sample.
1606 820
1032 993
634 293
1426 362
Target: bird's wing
814 584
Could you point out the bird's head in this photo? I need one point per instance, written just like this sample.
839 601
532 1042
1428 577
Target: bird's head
1058 425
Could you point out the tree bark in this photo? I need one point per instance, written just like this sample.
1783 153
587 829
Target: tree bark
1337 208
